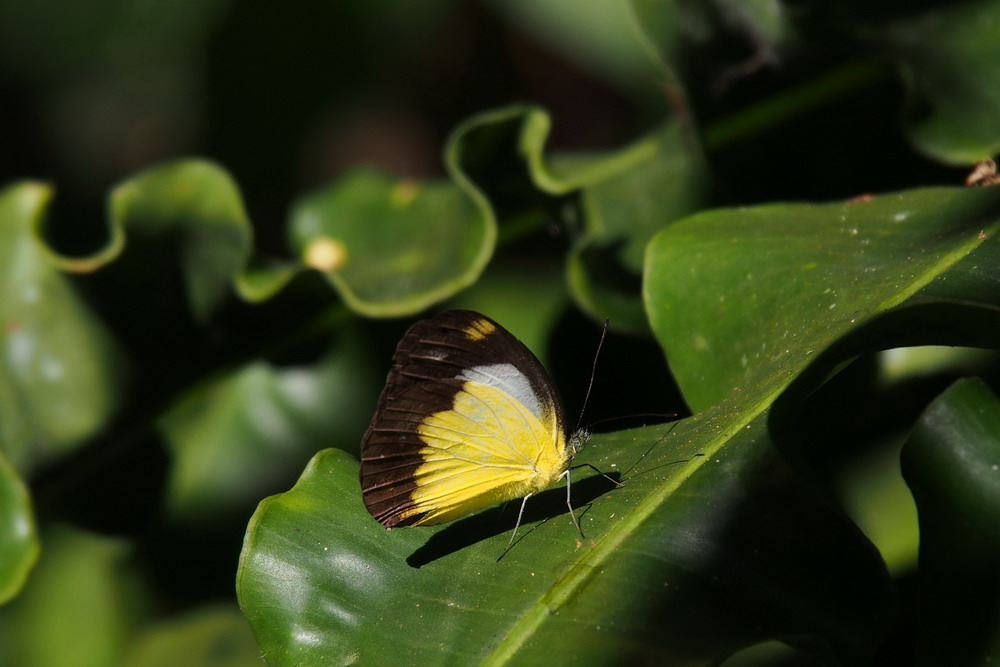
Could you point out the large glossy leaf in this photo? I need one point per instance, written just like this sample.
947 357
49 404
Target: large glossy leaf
57 363
709 547
743 300
78 609
18 537
952 463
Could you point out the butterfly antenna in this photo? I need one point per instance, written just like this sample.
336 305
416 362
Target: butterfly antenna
593 372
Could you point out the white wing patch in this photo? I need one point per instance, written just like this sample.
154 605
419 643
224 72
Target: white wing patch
509 380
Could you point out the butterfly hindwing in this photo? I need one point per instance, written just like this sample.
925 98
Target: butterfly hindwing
468 418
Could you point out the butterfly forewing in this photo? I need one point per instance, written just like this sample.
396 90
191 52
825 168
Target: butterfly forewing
468 418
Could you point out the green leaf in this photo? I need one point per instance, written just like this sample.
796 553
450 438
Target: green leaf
667 180
18 537
709 531
626 195
952 463
185 220
79 607
394 247
210 637
58 378
597 34
249 432
660 29
743 300
948 56
877 499
670 25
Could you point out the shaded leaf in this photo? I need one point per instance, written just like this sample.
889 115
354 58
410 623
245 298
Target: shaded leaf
184 219
659 26
948 55
951 461
670 25
58 365
18 538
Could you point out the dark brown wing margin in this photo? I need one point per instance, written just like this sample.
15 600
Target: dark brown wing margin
422 381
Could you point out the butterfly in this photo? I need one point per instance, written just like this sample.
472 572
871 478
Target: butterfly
468 418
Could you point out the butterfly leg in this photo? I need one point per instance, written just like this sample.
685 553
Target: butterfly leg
517 525
569 504
598 471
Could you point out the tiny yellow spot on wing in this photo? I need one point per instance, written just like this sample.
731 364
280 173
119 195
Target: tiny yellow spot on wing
479 330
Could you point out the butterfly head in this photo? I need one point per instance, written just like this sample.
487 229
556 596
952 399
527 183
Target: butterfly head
577 441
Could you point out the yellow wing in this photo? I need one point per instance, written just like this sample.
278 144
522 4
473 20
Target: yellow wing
468 418
486 449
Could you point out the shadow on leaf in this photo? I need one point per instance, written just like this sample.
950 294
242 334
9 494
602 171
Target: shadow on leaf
499 520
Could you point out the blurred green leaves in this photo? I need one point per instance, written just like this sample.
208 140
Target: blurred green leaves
80 606
58 367
18 538
248 432
948 58
217 636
